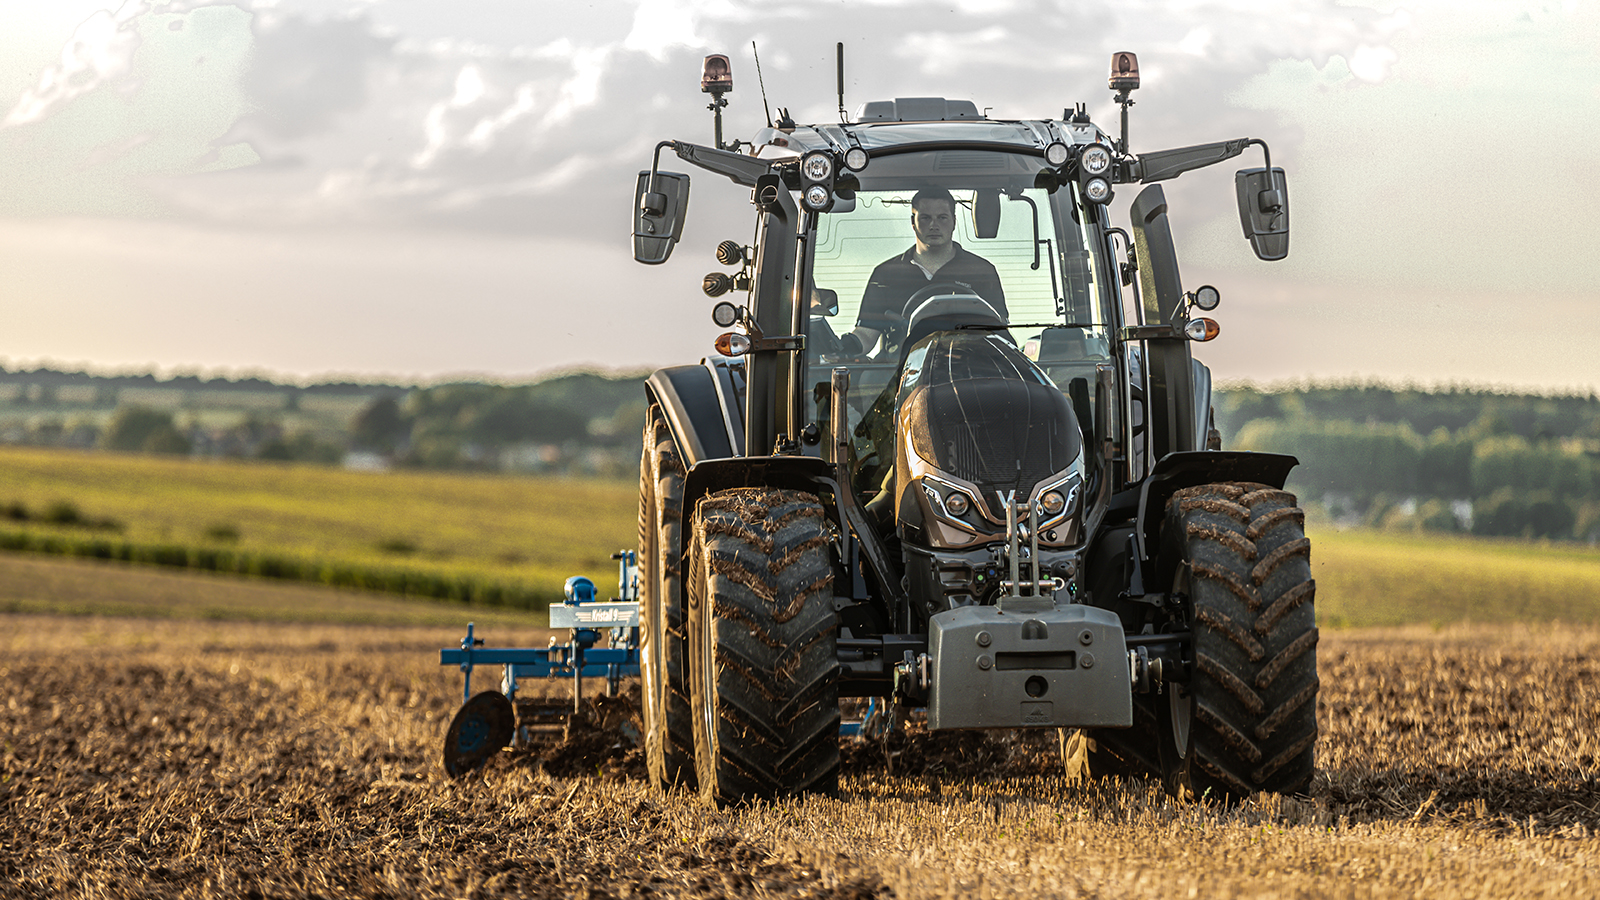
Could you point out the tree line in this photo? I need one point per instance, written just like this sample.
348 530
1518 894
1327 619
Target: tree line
490 426
1461 459
581 423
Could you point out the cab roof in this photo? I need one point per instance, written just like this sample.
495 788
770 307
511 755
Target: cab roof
908 121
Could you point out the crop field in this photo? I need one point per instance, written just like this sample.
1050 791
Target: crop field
296 755
538 531
1369 578
517 529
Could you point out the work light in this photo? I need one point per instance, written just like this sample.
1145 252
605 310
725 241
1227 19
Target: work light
1097 190
1094 159
817 166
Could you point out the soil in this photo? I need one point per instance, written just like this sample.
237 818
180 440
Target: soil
215 759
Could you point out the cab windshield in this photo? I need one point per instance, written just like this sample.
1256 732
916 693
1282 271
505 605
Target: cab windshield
1021 241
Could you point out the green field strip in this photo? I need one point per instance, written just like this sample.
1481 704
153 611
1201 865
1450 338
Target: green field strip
482 529
1375 578
75 587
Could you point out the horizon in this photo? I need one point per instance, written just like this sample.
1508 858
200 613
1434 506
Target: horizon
1221 385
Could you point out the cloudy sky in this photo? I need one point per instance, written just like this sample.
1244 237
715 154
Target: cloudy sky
414 189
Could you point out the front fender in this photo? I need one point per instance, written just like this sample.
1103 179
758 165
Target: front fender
1176 471
800 473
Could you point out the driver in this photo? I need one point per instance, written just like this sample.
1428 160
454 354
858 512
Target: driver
934 259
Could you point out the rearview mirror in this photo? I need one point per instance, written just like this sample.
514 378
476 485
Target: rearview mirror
1264 211
986 212
658 211
824 302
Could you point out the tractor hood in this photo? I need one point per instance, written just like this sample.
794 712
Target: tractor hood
973 407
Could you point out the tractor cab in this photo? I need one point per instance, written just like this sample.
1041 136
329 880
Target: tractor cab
1027 283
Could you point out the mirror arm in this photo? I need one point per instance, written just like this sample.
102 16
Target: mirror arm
741 169
1265 151
655 163
1164 164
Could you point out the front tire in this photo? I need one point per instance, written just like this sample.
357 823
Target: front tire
764 670
1251 712
663 645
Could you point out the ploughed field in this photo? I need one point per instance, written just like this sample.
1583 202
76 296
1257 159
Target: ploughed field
143 757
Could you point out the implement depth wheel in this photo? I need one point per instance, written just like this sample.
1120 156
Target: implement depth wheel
480 729
663 650
1247 719
763 632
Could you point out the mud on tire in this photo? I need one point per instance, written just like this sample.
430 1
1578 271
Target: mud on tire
669 732
763 633
1246 565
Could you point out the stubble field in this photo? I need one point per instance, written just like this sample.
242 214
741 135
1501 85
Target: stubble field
144 757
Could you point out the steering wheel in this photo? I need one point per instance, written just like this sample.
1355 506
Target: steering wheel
937 289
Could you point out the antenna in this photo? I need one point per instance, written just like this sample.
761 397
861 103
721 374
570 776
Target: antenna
757 54
840 55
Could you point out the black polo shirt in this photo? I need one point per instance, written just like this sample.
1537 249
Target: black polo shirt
895 280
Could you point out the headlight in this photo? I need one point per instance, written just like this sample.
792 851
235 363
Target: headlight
855 159
818 197
950 503
1052 503
1097 190
1095 159
1056 153
1059 500
817 167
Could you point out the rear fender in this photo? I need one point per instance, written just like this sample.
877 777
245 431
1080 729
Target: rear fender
702 407
1176 471
1170 391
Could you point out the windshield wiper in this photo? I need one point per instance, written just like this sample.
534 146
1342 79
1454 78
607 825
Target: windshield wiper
974 327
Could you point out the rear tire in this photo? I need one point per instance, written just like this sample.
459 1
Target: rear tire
663 646
1245 564
764 668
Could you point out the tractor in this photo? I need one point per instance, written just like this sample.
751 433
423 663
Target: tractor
965 471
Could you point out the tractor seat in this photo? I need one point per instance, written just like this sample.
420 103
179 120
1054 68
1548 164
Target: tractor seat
1063 345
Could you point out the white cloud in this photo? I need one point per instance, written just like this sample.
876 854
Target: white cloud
1390 181
661 25
99 52
1371 64
1196 42
516 105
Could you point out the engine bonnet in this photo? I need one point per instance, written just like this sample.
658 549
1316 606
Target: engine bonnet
974 407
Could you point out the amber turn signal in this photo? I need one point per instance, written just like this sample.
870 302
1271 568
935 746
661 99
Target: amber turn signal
732 343
1202 329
